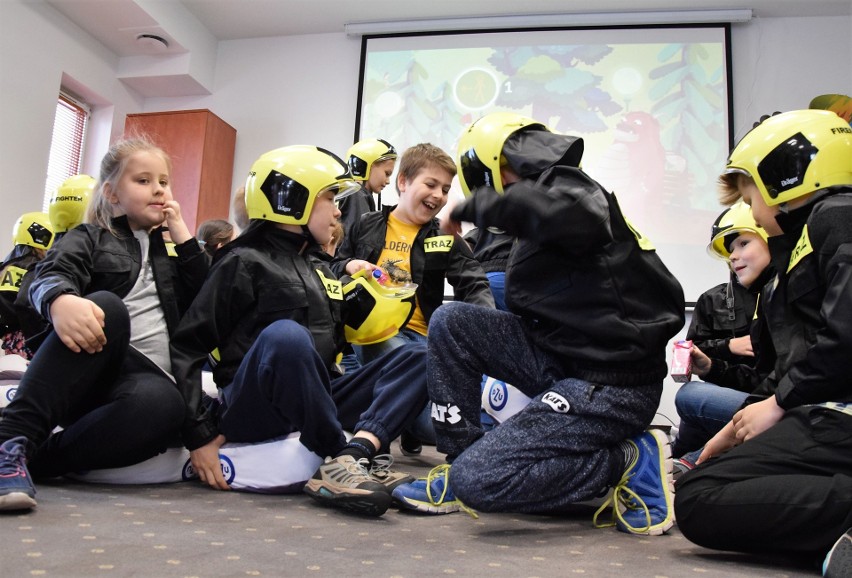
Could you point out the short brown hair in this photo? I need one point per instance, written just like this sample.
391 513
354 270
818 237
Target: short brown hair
423 155
213 233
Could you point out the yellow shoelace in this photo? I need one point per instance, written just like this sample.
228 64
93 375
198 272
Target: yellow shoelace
621 494
437 472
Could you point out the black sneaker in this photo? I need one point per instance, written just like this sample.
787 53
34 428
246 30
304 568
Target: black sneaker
16 487
345 483
409 445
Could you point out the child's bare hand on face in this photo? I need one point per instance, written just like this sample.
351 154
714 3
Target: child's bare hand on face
178 230
79 323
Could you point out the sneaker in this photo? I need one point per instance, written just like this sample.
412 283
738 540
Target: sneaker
380 471
16 486
431 494
680 467
838 562
642 499
345 483
409 445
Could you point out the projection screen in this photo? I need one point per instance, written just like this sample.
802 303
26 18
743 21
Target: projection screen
652 104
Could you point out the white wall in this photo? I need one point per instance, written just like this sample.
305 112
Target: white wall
282 91
782 63
303 90
37 47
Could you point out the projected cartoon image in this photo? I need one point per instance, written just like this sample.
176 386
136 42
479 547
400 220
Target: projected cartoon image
653 114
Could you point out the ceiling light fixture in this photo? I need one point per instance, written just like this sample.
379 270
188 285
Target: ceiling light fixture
510 22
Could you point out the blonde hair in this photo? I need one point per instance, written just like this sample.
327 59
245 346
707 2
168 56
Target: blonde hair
240 211
336 239
113 164
729 187
424 155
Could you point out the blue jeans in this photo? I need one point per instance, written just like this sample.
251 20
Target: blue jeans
497 281
704 409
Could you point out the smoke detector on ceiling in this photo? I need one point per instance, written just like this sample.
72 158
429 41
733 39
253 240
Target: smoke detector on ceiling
152 41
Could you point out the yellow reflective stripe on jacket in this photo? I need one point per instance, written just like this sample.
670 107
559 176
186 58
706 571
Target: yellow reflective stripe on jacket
802 249
333 287
439 244
644 242
10 279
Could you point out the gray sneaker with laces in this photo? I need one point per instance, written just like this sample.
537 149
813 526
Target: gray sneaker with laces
344 482
381 471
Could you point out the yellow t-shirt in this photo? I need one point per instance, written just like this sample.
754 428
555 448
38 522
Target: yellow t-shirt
396 260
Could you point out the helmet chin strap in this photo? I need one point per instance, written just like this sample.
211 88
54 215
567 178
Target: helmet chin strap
306 232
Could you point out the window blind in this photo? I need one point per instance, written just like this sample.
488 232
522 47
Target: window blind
66 147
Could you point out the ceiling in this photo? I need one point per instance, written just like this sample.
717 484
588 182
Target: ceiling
195 27
235 19
230 19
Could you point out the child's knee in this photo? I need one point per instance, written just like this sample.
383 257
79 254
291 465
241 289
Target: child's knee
288 336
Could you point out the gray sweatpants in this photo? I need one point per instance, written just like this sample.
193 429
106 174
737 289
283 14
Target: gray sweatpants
563 448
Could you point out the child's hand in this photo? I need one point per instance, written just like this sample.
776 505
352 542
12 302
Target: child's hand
700 362
450 226
719 444
79 323
205 460
356 265
756 418
741 346
178 230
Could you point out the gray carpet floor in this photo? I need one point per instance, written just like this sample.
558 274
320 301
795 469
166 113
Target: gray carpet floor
186 530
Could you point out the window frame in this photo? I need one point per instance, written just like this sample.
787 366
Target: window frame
67 143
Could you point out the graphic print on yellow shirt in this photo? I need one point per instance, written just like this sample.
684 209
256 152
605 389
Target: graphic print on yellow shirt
396 260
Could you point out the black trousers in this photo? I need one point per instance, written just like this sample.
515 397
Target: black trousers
788 490
117 407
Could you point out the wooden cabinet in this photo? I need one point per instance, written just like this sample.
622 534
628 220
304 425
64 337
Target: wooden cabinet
201 146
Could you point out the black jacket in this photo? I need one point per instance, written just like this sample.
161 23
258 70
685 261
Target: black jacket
591 290
91 259
724 312
454 261
264 275
741 376
491 248
355 205
13 270
808 307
